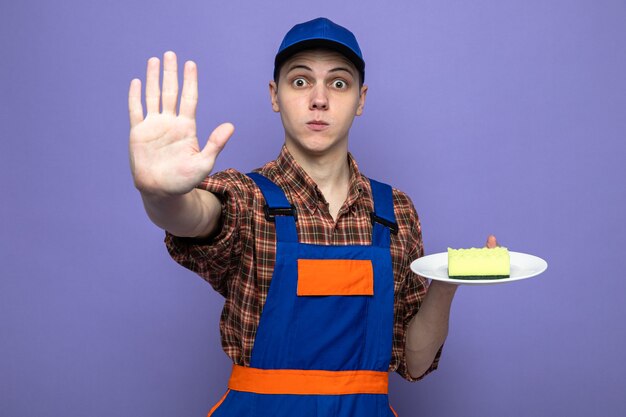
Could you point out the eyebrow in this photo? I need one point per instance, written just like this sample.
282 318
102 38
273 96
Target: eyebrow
337 69
293 67
346 69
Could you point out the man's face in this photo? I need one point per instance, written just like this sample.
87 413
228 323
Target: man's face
318 95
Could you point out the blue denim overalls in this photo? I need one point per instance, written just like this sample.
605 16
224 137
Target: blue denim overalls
323 344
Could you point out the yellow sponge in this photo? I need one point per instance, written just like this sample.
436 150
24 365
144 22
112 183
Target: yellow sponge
475 263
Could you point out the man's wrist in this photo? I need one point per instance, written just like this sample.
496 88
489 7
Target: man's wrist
443 287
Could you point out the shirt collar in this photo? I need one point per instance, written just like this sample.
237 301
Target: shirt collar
306 189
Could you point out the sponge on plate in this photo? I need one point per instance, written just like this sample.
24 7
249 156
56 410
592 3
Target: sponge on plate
475 263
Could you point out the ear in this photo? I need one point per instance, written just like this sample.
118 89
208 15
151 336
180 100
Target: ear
274 96
362 94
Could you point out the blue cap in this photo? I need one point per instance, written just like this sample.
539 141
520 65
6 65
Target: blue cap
318 33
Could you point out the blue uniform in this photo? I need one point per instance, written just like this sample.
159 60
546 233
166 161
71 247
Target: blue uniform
323 345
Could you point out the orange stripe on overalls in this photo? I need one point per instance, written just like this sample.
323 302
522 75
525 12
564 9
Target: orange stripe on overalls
307 382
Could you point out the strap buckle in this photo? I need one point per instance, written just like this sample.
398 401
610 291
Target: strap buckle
271 212
391 225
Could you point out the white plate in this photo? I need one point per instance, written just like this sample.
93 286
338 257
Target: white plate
436 267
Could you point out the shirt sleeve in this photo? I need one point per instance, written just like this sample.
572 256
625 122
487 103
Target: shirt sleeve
412 288
214 258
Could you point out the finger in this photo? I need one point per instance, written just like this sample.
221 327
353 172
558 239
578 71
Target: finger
153 95
217 140
189 96
170 82
492 242
135 110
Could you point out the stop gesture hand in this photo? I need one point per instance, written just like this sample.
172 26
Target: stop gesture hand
165 156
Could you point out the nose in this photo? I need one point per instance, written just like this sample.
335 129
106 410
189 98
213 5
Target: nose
319 98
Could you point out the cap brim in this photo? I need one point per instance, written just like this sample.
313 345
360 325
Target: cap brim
288 52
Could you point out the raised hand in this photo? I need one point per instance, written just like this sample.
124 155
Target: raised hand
165 156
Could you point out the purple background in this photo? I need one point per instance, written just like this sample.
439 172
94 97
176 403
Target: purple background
496 117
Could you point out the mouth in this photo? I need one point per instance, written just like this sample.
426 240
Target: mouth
317 125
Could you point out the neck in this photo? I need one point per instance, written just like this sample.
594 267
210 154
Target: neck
327 170
331 173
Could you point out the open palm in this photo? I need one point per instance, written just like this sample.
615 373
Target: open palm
165 155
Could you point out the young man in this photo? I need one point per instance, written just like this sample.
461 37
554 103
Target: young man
311 256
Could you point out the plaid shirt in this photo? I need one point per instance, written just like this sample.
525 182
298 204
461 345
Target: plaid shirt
239 261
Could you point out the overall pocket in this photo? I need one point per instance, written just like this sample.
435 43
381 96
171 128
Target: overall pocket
331 313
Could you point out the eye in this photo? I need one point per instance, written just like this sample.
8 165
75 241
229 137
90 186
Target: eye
340 84
299 82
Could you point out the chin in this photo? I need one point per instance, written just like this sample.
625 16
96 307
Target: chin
318 144
316 147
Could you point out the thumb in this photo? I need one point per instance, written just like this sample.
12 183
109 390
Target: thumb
217 140
491 242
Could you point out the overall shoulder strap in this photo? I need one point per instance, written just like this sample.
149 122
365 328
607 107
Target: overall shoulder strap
277 208
383 217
